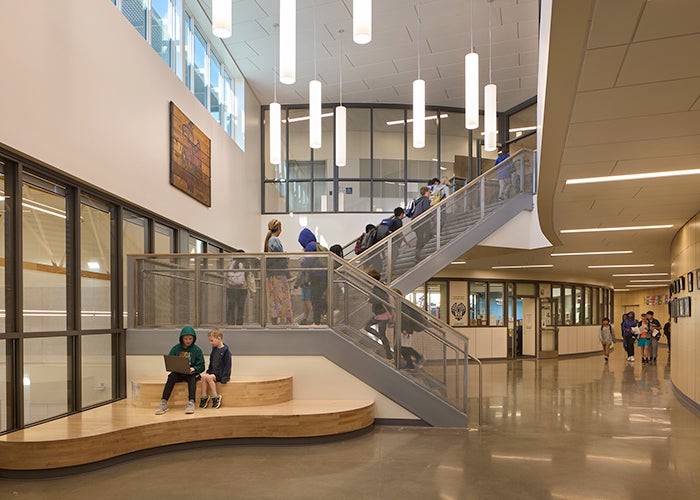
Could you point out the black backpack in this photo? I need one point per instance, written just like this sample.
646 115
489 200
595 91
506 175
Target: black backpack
384 228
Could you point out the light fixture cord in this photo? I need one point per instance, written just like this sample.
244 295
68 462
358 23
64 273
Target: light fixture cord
490 44
274 68
340 61
471 24
315 51
418 37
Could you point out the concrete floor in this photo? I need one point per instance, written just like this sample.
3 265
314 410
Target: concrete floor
565 429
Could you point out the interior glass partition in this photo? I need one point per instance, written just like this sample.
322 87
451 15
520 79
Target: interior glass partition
44 254
45 378
97 360
95 264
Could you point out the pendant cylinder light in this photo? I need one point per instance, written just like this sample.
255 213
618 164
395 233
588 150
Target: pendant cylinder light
340 129
418 113
288 41
490 132
471 90
315 114
275 133
221 14
362 21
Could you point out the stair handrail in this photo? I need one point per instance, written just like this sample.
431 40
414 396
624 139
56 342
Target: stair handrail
403 231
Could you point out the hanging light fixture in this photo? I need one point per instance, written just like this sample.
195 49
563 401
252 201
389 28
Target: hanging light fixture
221 13
418 98
315 136
362 21
471 80
288 41
340 116
275 121
490 108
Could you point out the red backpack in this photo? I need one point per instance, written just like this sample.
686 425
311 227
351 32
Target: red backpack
358 244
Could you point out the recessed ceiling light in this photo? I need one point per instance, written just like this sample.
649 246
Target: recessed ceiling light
642 274
612 252
458 262
646 286
620 265
650 281
632 177
622 228
522 267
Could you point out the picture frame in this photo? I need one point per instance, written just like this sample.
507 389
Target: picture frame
681 280
690 281
190 157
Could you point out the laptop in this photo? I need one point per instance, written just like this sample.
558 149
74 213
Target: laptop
177 364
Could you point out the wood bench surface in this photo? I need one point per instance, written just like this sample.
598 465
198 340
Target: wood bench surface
239 391
119 428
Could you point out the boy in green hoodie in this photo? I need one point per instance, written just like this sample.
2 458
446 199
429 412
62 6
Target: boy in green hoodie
186 348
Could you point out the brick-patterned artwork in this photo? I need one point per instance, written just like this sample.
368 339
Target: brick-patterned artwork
190 157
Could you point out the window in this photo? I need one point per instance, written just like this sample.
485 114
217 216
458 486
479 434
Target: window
44 253
200 67
477 303
95 264
136 11
496 304
215 89
161 39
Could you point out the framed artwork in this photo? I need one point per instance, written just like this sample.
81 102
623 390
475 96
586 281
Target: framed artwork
190 157
690 281
681 280
670 289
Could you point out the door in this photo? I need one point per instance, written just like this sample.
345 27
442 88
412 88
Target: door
548 332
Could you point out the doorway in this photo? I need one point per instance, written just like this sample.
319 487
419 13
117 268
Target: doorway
548 331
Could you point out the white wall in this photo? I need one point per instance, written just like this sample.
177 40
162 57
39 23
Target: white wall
84 93
685 345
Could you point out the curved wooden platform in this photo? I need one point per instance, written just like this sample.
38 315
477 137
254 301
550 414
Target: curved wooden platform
240 391
120 428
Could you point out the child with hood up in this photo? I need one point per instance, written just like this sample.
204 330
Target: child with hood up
316 274
186 348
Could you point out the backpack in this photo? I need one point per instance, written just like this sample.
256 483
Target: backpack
236 278
383 229
410 208
358 244
369 239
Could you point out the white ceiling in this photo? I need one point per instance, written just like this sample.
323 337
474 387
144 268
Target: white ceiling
383 70
623 96
633 107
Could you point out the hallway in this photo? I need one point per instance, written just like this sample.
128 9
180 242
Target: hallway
570 429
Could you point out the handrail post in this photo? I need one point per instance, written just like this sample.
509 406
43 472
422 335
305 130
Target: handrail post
263 291
482 200
397 335
466 377
330 292
390 252
438 227
197 291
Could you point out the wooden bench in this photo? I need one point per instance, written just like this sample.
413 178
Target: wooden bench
252 407
240 391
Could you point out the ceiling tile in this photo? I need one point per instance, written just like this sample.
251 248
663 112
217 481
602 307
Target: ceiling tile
668 18
614 22
636 100
666 147
660 60
601 67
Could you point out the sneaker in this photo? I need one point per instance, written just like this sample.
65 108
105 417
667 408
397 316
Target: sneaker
204 401
216 401
420 362
190 407
606 359
162 407
631 358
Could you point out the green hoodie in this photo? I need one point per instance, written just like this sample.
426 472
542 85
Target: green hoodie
193 352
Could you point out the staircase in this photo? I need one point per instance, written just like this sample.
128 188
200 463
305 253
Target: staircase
455 225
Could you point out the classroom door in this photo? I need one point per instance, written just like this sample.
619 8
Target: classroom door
548 332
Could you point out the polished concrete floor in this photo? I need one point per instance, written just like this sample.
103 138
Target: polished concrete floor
564 429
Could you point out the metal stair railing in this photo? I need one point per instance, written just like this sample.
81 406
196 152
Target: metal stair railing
437 227
167 291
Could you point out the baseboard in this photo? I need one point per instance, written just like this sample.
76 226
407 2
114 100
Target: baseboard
692 405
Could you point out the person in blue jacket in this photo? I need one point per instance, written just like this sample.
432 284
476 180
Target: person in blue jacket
629 326
318 278
219 370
